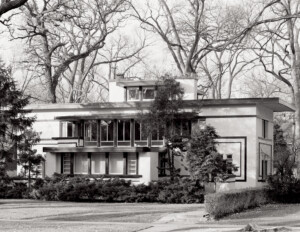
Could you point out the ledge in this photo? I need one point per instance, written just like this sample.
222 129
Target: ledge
66 138
103 149
106 176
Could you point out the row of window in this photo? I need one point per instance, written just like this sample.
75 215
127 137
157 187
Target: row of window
123 130
140 93
116 163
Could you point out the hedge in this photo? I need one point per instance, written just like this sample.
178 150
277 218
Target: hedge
180 190
229 202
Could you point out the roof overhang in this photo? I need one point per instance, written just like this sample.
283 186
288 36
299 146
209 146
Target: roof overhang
76 118
103 149
275 104
96 116
139 83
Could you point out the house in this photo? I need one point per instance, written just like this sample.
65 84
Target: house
106 138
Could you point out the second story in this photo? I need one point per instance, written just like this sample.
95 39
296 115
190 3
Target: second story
118 124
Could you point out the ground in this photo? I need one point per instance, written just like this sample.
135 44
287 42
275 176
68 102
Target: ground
30 215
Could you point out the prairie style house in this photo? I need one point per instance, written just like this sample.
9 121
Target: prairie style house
105 139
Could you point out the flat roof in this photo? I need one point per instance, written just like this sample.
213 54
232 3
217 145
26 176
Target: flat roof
275 104
139 83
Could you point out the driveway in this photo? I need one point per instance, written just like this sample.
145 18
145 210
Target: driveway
30 215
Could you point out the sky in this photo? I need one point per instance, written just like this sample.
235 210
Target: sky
157 55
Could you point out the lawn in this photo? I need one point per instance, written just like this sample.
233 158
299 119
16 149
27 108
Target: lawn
27 215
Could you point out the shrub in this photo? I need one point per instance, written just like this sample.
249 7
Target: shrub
284 189
18 191
118 190
182 191
224 203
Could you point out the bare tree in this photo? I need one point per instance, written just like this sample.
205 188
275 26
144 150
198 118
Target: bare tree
192 29
8 5
279 50
220 69
47 30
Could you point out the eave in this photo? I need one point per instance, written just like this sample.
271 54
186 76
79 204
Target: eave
103 149
275 104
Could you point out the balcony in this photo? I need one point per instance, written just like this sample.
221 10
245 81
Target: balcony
106 133
69 141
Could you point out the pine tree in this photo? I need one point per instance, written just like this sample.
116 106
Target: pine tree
28 157
204 161
13 120
163 116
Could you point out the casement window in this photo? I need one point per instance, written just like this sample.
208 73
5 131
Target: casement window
68 129
264 166
90 130
81 163
157 134
116 163
98 163
229 161
139 133
148 93
133 94
123 130
265 128
132 163
107 130
66 162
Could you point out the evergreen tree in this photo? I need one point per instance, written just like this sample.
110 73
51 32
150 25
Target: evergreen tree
13 119
28 157
163 113
204 161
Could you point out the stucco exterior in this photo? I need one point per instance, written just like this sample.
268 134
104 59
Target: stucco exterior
245 127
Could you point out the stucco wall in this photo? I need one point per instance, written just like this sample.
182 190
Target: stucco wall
52 164
116 93
241 127
148 163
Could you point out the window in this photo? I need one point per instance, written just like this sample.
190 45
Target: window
123 130
107 131
69 129
90 130
133 94
66 163
81 163
139 134
157 134
131 164
98 163
148 93
264 166
116 163
229 161
265 129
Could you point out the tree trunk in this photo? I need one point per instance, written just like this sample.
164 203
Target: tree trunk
297 115
229 84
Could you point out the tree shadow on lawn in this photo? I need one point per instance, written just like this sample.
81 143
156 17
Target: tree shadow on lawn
136 217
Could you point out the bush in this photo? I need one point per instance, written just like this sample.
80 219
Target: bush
118 190
182 191
18 191
284 189
224 203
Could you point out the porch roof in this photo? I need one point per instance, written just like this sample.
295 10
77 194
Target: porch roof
103 149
